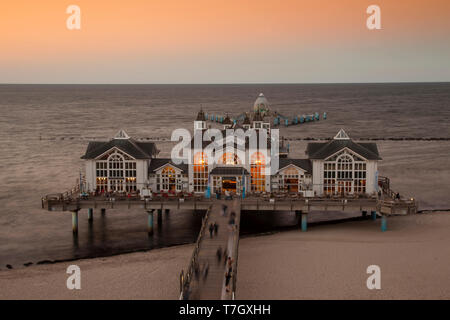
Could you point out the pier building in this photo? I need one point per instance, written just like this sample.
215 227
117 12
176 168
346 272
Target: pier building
340 166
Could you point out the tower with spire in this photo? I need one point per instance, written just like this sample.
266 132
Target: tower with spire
200 121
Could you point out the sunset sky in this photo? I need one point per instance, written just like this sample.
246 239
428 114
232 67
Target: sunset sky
224 41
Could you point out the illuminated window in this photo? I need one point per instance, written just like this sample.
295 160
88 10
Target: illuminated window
257 167
168 178
116 172
200 167
230 158
345 173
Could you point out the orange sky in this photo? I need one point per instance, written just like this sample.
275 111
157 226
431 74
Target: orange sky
154 33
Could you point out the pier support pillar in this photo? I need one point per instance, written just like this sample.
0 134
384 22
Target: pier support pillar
160 217
304 222
383 223
75 221
90 214
150 222
103 211
374 215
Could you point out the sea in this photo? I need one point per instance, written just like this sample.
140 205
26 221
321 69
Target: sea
45 129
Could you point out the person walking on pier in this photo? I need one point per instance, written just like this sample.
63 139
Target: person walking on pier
227 279
216 229
229 262
196 271
211 229
219 254
224 210
205 270
232 220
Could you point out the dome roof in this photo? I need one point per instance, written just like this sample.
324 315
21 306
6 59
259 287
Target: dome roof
261 104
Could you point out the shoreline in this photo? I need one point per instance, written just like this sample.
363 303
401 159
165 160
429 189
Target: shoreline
249 235
412 254
276 230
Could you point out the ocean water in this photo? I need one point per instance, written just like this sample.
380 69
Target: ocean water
44 130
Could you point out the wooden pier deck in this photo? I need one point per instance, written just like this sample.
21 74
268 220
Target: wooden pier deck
385 206
208 283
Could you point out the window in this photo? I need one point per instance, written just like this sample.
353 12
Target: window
257 167
116 172
291 179
200 167
168 178
344 173
230 158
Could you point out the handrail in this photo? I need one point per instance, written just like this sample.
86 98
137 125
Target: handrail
186 277
235 262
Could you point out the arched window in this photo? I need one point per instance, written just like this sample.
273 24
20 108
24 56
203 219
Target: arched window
168 177
345 173
200 167
257 167
230 158
116 172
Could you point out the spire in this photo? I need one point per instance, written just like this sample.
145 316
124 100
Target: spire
341 135
201 115
246 119
121 135
227 120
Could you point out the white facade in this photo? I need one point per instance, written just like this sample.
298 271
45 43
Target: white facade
116 171
338 167
345 172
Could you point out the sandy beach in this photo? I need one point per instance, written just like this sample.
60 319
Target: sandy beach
326 262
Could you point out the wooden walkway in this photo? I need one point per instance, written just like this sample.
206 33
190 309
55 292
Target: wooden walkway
210 285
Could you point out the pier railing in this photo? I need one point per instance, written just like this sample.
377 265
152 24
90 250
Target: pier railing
63 197
185 278
235 262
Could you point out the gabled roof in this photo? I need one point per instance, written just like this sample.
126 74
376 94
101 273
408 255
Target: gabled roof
137 150
232 171
157 163
322 150
304 164
341 135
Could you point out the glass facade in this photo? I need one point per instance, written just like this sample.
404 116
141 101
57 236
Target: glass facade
344 174
116 172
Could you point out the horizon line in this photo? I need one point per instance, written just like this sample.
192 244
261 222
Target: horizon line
223 83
